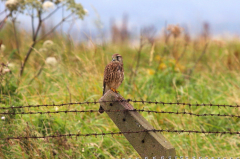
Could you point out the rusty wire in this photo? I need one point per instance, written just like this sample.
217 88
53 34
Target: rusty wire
138 110
121 133
128 100
48 105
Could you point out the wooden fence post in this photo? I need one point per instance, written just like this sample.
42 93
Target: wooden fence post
148 144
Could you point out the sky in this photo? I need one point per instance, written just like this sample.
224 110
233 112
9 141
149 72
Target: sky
222 15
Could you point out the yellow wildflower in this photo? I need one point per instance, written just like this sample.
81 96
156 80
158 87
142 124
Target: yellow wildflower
179 68
150 71
162 66
172 61
158 58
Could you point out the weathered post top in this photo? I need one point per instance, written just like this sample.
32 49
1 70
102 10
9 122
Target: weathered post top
148 144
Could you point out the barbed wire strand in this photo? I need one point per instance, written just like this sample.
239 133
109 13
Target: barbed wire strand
137 110
128 100
121 133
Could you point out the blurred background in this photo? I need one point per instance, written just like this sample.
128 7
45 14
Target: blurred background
173 51
220 16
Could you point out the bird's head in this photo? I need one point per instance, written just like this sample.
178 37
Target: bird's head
117 58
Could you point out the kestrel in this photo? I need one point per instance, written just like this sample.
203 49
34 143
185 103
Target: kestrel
113 75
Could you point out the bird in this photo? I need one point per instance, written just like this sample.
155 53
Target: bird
113 75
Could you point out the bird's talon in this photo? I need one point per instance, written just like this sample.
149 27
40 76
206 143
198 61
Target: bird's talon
114 90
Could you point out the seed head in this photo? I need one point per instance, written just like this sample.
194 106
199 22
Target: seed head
12 4
175 30
47 5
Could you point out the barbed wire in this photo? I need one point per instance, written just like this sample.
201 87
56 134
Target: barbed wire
138 110
121 133
49 105
128 100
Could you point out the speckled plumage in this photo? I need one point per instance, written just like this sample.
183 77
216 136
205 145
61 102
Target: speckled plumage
113 75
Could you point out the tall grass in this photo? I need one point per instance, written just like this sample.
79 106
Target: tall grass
162 75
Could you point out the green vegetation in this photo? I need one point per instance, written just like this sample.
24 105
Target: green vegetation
75 73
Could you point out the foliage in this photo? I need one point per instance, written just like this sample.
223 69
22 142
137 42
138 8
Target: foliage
37 10
75 71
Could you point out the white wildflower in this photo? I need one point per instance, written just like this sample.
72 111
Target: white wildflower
11 4
48 5
3 117
11 65
43 50
47 43
56 108
6 70
52 61
2 47
86 11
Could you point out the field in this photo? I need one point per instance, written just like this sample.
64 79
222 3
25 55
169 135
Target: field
167 68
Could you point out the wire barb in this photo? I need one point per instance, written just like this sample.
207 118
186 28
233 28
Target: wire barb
138 110
128 100
122 133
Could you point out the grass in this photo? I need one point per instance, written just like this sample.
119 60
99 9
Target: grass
78 77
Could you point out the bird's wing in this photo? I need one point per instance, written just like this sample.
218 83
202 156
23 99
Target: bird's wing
122 73
107 74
